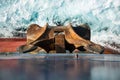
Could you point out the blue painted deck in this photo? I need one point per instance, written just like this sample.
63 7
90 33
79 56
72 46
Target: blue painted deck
59 67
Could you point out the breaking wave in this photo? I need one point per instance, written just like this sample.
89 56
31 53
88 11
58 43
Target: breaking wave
103 16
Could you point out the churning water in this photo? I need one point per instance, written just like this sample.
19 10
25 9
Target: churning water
103 17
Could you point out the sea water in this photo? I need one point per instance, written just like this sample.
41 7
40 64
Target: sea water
101 15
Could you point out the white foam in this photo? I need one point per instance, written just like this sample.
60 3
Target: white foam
101 15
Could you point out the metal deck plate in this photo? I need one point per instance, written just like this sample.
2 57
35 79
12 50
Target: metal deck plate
59 67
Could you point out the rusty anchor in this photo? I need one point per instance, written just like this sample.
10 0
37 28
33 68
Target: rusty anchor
59 39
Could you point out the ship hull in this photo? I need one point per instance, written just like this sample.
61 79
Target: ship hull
11 44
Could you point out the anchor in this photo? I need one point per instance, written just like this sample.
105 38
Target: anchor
59 39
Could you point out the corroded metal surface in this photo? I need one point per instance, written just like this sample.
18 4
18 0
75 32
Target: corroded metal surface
59 39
